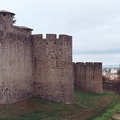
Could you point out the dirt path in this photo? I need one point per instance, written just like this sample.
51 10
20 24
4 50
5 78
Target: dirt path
116 116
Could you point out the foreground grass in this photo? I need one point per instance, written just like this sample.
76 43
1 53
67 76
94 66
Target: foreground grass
87 106
108 114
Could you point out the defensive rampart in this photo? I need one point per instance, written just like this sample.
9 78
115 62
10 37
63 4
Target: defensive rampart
31 65
53 75
88 76
16 82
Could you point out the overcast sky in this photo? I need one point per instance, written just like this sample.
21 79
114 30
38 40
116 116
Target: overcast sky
94 24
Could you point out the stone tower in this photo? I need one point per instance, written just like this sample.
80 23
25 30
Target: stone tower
53 67
6 20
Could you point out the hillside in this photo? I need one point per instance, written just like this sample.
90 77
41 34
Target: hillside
86 107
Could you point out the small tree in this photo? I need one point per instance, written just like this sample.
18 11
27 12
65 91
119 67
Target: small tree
14 20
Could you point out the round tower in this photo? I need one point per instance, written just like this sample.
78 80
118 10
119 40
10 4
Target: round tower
6 20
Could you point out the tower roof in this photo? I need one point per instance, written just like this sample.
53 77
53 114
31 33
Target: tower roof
4 11
23 27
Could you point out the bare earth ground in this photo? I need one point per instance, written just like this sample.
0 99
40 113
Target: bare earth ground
116 116
86 106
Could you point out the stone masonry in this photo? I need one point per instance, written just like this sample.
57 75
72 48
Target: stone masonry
53 67
88 76
15 68
31 65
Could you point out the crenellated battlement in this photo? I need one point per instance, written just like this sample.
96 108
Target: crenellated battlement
88 75
51 37
35 36
89 63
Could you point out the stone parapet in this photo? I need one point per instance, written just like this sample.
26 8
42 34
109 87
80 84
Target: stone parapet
88 76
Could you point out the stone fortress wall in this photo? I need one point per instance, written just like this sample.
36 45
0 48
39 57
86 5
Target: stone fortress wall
53 67
31 65
16 81
88 76
22 30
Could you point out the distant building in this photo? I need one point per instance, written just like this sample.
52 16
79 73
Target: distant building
110 73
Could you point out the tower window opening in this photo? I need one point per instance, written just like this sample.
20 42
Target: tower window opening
4 14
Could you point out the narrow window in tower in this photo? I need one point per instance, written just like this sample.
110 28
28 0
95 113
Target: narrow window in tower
4 14
56 61
1 27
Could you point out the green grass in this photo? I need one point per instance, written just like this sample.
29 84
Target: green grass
87 106
93 100
108 114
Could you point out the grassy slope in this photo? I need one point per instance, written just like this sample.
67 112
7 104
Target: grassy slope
86 106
